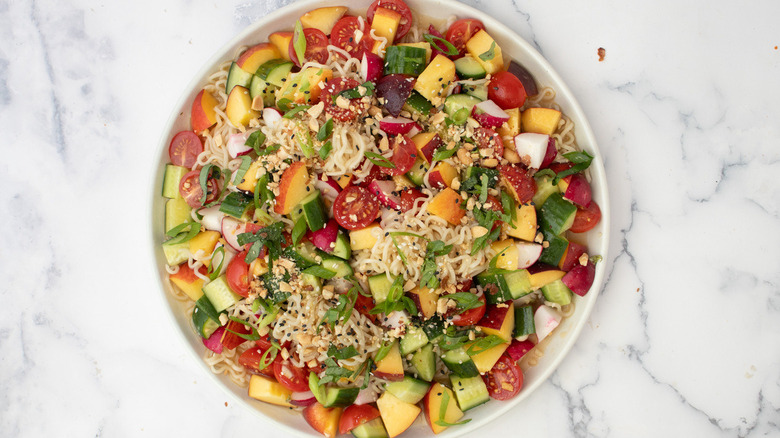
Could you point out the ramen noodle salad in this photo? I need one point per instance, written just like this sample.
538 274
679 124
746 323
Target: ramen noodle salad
371 219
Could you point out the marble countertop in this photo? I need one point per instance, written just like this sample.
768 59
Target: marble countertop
684 339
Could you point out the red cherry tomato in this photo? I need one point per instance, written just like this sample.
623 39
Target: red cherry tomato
355 415
505 380
363 305
251 358
291 377
487 138
560 167
355 207
316 47
404 156
231 338
506 90
343 37
409 197
332 90
237 274
586 218
397 6
461 31
471 316
190 190
184 149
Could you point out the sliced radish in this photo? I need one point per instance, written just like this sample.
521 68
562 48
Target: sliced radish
371 67
366 396
580 278
578 191
328 189
271 116
518 349
325 238
214 342
550 155
416 129
396 125
546 319
236 145
305 398
231 228
383 190
212 218
489 115
531 148
396 319
528 253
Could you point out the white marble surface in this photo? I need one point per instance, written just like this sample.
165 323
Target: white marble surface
685 338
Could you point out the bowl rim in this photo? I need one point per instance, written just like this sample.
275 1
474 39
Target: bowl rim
499 31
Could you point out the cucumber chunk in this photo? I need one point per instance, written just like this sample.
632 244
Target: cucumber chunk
237 76
171 179
460 363
409 389
205 318
405 60
414 338
274 71
478 91
544 188
339 397
417 173
176 253
557 292
380 286
220 295
314 211
418 104
553 254
177 212
259 87
469 68
469 391
558 213
524 321
457 102
371 429
342 249
337 265
424 362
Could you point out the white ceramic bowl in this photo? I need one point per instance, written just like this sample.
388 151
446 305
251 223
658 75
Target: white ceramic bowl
514 47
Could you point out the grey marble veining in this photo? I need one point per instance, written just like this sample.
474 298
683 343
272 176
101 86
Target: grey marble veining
682 342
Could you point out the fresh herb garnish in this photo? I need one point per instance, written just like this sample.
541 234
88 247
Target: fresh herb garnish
362 90
489 54
178 234
441 44
300 42
483 344
269 356
284 104
466 301
299 229
379 160
305 142
333 372
434 249
262 194
319 271
246 161
214 268
255 140
208 171
251 336
325 150
383 351
295 110
445 401
343 309
545 172
581 162
271 237
325 130
342 353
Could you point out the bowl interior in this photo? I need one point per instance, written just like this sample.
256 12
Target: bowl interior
514 47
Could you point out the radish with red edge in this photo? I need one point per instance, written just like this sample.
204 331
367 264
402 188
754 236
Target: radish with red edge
580 278
518 349
271 116
384 192
435 32
550 155
578 191
214 342
528 254
371 67
366 396
236 145
396 125
231 228
531 148
304 398
212 218
416 129
546 319
325 238
328 189
489 115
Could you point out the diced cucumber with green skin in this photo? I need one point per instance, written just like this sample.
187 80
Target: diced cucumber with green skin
237 76
417 174
342 249
171 179
205 318
404 60
176 253
337 265
371 429
314 211
339 397
470 392
469 68
554 252
456 102
558 213
274 71
177 212
475 173
380 286
424 362
237 204
220 295
433 328
524 321
544 188
313 281
460 363
413 339
480 91
519 283
509 286
557 292
260 87
409 390
418 104
303 255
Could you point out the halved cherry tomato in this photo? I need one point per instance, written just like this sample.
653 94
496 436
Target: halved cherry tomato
184 149
374 174
318 369
291 377
397 6
404 156
231 338
355 415
343 37
190 190
586 218
237 274
363 305
461 31
409 197
335 86
471 316
505 380
487 138
251 358
506 90
355 207
316 47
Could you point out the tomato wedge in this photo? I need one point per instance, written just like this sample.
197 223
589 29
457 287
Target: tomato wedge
329 94
316 47
355 415
363 305
505 380
355 207
471 316
184 149
343 37
397 6
404 156
461 31
586 218
237 274
190 190
231 338
251 359
291 377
